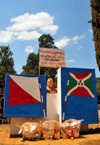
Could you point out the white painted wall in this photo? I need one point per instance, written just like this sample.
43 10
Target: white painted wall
52 107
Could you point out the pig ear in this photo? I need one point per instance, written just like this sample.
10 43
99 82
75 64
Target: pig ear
81 120
20 131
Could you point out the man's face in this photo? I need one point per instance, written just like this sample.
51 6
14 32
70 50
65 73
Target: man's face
50 83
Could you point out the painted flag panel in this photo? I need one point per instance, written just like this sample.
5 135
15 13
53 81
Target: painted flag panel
79 97
23 96
80 84
23 90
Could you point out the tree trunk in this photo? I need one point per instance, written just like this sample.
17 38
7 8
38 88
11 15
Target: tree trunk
95 7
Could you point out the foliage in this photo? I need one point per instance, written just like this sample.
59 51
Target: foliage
98 88
46 41
32 65
6 62
98 85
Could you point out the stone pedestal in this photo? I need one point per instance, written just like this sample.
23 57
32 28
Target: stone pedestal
15 122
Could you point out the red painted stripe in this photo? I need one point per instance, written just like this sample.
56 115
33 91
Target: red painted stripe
64 104
41 91
81 91
43 105
41 96
69 75
39 80
81 75
67 88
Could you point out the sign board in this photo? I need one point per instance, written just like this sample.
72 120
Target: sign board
25 96
77 90
51 58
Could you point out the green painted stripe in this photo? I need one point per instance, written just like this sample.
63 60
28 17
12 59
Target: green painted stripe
89 84
72 83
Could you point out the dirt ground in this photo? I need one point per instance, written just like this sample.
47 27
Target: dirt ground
92 137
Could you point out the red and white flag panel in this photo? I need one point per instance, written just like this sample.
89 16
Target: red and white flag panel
23 90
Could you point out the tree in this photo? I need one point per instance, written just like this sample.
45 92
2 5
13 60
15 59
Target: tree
32 65
6 62
98 89
46 41
95 7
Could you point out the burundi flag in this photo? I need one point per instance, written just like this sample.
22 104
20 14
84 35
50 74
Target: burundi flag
80 84
79 97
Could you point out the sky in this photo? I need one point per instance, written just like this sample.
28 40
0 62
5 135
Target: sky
22 22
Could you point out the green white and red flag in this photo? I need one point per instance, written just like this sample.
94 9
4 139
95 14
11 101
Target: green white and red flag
79 84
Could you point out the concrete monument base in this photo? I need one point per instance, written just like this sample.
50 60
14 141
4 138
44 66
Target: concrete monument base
15 122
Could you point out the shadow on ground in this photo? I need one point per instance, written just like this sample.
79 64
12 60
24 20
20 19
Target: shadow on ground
91 131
